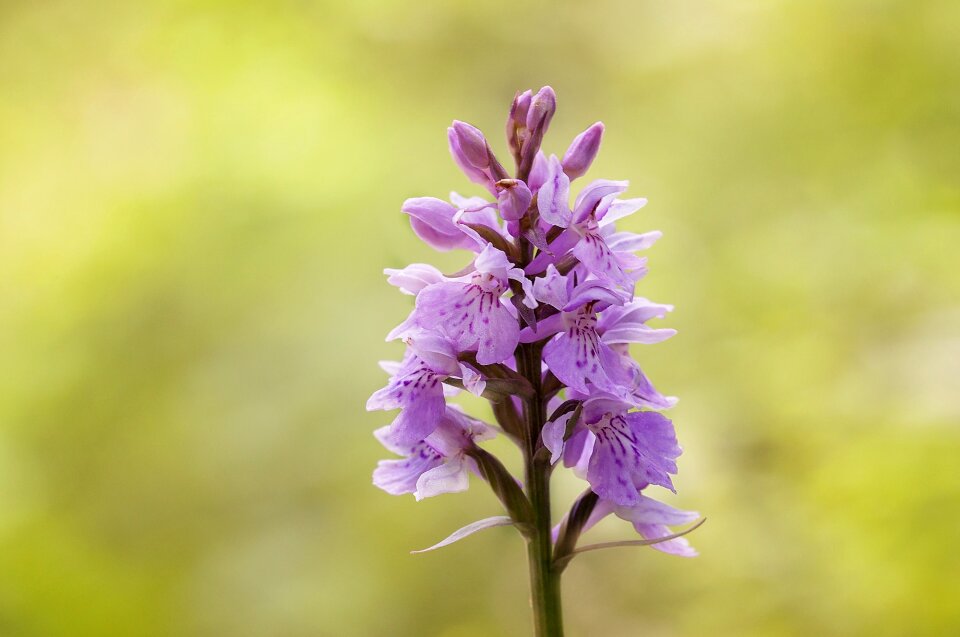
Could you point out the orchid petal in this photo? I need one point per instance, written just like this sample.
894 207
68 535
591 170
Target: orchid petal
553 433
620 208
529 297
637 334
590 197
413 278
595 254
432 221
554 195
545 328
557 249
472 380
631 242
449 477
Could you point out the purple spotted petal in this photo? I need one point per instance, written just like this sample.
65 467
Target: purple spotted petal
597 256
417 390
400 476
422 413
615 462
577 356
474 318
656 444
632 450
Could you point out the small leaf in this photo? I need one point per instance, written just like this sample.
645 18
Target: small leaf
470 529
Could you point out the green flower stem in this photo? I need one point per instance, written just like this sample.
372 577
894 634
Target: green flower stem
544 579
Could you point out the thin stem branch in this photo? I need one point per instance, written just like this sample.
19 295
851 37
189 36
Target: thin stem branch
562 561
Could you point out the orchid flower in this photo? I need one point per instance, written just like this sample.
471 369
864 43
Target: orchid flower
540 323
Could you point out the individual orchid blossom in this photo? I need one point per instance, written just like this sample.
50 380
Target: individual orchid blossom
620 451
582 226
540 323
438 463
577 355
444 226
471 312
417 387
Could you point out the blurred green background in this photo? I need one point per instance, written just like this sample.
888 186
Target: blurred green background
196 203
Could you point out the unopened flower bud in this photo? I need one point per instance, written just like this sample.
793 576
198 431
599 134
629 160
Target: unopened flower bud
432 221
513 198
542 107
472 144
582 151
517 122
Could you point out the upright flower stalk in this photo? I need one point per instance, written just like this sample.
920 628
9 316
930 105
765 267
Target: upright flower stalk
540 323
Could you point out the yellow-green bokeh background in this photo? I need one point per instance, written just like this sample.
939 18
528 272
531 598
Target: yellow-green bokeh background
196 202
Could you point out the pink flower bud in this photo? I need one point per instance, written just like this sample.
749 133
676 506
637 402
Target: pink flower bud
513 198
517 123
472 144
542 107
582 151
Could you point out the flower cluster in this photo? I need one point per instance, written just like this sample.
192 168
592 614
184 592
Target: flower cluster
540 322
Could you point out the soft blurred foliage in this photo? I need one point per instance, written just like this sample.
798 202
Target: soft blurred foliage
196 202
